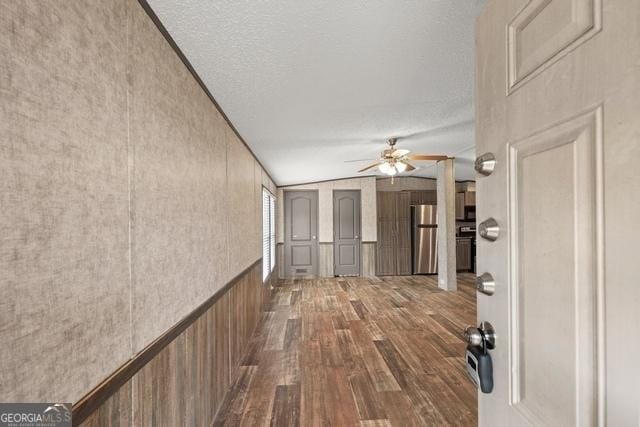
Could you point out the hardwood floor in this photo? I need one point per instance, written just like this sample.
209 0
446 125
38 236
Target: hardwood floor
358 351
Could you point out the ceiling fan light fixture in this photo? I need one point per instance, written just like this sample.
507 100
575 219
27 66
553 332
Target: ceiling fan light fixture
395 161
387 169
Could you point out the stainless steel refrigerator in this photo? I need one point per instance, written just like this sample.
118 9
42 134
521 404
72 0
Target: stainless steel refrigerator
424 241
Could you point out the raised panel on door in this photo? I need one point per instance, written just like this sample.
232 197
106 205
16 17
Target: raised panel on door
545 30
346 234
553 213
301 218
301 229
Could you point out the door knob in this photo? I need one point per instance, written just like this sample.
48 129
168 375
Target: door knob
479 363
313 237
482 336
473 336
488 333
356 237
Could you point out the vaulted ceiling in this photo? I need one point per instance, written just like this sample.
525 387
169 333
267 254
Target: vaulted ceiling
310 84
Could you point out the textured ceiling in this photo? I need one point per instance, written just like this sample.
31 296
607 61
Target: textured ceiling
309 84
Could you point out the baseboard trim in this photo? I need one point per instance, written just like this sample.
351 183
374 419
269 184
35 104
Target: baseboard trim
96 397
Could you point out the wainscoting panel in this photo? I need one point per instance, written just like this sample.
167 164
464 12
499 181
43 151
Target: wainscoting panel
245 307
280 259
183 377
325 258
115 411
369 259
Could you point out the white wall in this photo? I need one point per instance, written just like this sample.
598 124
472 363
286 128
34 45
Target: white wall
405 183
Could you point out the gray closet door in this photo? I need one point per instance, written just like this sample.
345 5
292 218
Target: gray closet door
346 232
301 233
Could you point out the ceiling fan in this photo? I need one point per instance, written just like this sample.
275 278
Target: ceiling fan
393 160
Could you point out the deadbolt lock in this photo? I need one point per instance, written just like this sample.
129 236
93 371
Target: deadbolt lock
489 229
485 284
485 164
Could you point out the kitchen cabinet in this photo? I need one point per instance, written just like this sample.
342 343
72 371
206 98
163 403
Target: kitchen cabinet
464 199
469 198
424 197
460 200
463 254
393 255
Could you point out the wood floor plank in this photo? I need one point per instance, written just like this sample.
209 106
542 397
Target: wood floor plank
341 406
356 352
292 333
360 309
286 406
400 410
233 407
382 377
366 397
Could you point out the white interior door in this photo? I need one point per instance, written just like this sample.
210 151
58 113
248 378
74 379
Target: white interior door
558 104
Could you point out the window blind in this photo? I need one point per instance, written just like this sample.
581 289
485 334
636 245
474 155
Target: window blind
268 233
272 232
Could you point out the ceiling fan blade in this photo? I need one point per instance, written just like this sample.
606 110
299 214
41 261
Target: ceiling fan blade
400 152
410 167
359 160
369 167
426 157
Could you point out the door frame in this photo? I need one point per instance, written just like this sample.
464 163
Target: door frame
315 256
359 239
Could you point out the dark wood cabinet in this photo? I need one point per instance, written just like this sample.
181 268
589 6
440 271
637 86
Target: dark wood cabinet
386 250
460 205
424 197
470 198
393 256
464 199
403 233
463 254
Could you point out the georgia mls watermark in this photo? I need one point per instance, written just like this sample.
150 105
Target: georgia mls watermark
35 414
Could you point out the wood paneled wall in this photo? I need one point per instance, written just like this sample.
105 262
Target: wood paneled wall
186 381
